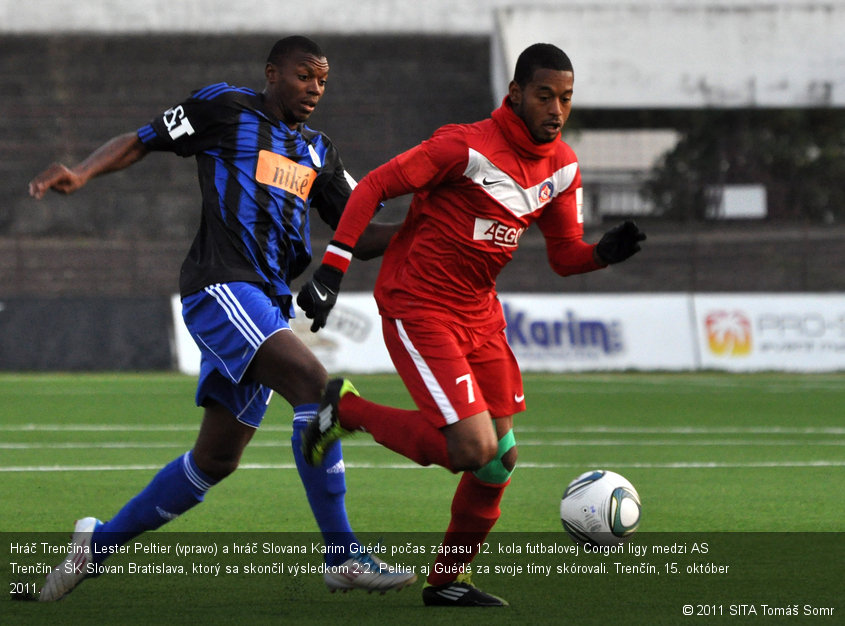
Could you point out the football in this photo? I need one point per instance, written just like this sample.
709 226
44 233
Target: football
600 508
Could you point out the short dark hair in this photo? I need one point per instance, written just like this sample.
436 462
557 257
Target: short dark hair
294 43
544 56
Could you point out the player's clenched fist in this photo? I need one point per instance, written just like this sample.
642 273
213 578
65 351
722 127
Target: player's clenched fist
57 177
318 295
620 243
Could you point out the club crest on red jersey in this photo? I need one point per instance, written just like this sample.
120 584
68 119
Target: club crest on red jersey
546 192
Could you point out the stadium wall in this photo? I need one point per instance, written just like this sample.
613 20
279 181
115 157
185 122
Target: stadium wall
558 333
650 332
85 334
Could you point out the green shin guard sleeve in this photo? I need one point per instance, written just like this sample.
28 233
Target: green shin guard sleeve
495 472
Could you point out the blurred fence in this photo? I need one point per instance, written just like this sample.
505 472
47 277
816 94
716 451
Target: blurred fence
750 258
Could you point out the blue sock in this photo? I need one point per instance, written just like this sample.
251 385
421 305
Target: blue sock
177 487
325 487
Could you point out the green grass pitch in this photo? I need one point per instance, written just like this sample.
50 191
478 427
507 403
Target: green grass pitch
753 466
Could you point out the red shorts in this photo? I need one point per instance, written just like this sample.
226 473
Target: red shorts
453 371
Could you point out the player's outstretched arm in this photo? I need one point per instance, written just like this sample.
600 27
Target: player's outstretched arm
116 154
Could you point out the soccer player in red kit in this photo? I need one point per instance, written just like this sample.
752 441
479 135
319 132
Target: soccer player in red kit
476 188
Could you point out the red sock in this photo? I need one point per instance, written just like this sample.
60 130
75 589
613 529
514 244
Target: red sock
475 510
403 431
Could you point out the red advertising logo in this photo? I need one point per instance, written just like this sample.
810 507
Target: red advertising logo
728 333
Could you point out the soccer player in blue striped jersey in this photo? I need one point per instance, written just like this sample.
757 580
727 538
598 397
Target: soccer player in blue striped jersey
261 170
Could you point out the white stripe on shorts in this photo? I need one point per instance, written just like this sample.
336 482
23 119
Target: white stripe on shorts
239 318
429 380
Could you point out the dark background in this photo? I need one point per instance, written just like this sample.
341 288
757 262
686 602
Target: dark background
85 280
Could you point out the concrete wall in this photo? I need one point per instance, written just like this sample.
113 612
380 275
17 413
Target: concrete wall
441 17
654 53
85 334
689 55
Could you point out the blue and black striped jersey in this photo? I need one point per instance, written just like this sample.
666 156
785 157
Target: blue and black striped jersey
258 180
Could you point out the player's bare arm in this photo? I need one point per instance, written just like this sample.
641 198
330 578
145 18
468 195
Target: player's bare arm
116 154
373 241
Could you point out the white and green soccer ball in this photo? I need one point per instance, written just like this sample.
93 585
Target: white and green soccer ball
600 507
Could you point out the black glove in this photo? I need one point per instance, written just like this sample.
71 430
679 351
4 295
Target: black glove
318 295
620 243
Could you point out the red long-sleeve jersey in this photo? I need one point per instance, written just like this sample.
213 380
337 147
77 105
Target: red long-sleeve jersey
476 188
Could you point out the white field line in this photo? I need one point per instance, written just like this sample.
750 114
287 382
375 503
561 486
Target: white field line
628 430
691 438
369 443
413 466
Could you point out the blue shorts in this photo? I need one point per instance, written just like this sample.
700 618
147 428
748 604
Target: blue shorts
229 322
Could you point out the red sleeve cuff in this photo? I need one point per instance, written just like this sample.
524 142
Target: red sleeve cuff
337 256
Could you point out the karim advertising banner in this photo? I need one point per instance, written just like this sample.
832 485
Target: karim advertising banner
788 332
605 332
